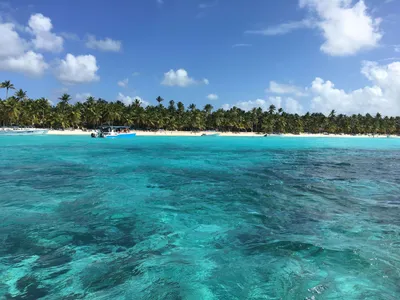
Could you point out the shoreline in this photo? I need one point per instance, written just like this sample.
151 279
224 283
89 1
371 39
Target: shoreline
222 134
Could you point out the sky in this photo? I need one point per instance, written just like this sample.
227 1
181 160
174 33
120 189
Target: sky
301 55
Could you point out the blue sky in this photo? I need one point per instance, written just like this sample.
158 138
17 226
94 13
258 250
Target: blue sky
299 54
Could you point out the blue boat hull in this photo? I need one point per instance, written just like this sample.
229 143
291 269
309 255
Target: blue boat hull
121 136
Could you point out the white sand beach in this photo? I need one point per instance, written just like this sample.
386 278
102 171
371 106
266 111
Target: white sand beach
226 134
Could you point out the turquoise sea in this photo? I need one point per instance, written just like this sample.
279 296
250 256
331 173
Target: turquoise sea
199 218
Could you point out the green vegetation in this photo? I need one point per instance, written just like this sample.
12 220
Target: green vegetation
8 86
20 109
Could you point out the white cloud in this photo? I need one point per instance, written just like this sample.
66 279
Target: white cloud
77 69
135 74
13 55
212 97
293 106
284 28
127 100
45 40
288 104
11 43
248 105
383 96
208 5
206 81
123 83
70 36
327 98
104 45
347 28
389 59
279 88
29 63
180 78
241 45
82 96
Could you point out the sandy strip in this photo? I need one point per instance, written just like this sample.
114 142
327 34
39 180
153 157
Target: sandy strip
230 134
156 133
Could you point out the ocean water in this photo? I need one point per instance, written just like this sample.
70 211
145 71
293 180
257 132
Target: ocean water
199 218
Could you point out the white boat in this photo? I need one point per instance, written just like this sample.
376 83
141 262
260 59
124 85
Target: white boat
22 131
211 133
113 132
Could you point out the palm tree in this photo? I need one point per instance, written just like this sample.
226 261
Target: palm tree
137 103
272 109
40 112
192 107
181 107
12 110
43 109
63 110
75 116
208 108
280 125
90 99
20 95
171 106
65 98
159 100
114 113
207 116
267 125
8 86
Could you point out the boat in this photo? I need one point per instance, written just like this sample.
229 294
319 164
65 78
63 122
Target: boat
22 131
211 133
113 132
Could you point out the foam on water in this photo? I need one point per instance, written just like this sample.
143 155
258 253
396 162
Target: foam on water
199 218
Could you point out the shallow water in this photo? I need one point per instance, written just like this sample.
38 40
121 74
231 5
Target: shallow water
199 218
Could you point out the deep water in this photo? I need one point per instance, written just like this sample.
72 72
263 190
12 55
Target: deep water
199 218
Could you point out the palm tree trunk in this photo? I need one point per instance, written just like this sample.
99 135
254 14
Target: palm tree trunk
6 93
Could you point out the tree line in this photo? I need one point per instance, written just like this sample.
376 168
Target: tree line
20 110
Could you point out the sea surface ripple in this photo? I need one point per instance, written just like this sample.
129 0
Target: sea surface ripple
199 218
